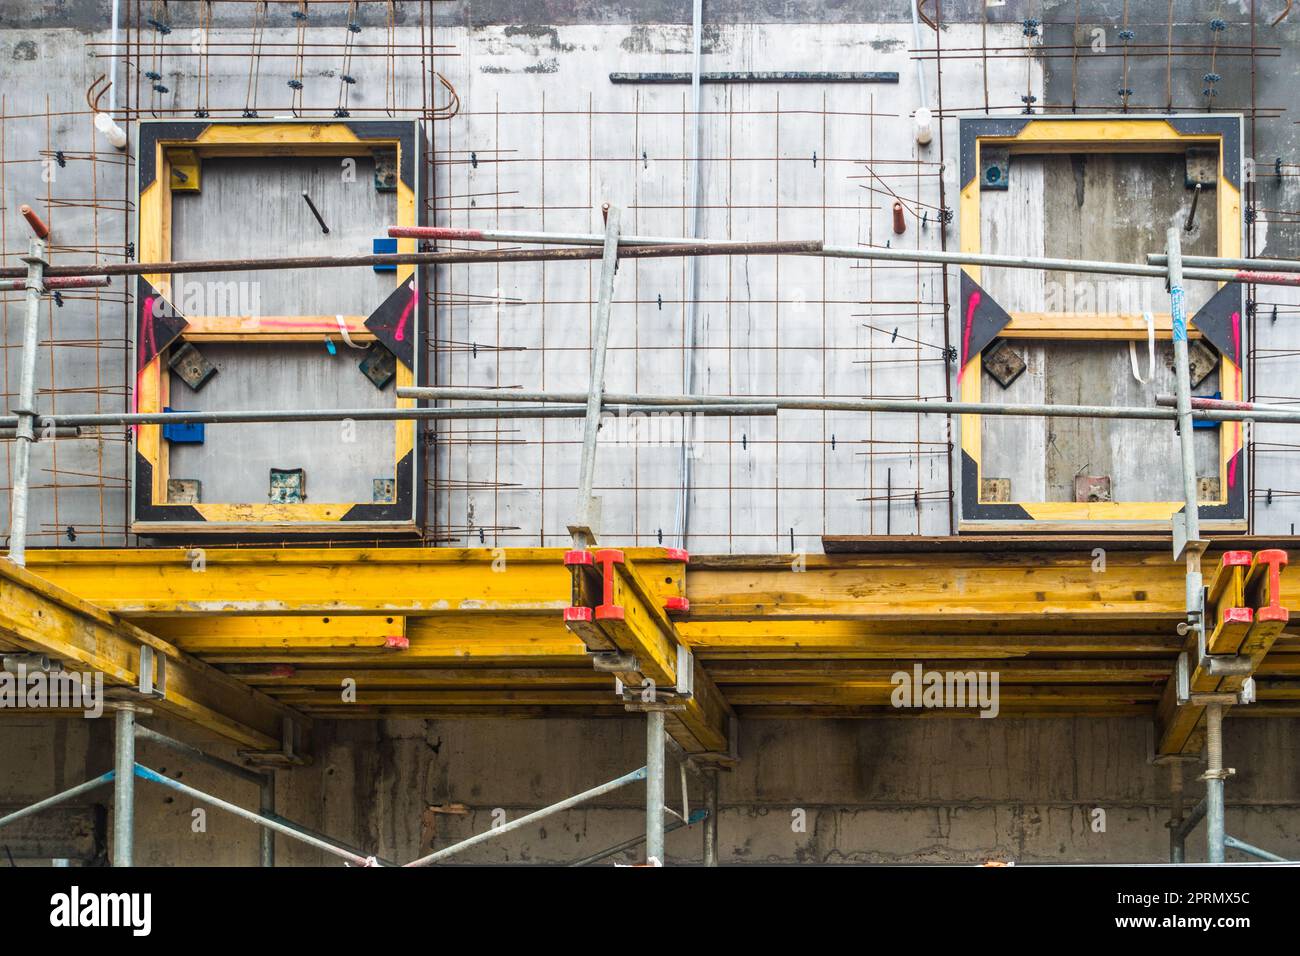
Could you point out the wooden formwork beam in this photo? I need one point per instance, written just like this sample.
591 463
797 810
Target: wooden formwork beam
40 617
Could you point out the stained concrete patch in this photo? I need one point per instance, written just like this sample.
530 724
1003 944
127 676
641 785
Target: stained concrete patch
549 65
550 34
25 50
670 39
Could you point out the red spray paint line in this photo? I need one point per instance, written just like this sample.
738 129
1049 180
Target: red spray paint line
146 344
1236 429
400 332
971 306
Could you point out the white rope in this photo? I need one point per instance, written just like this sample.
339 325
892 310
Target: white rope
1151 351
343 328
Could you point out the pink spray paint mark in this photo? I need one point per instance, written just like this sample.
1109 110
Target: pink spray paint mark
400 332
146 331
1236 351
972 304
146 344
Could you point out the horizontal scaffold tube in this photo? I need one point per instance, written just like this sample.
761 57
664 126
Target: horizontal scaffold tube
529 818
851 252
1229 413
1216 262
688 248
57 285
725 409
585 246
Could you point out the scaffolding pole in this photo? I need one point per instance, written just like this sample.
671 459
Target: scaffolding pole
526 819
632 246
1217 262
654 787
25 421
124 787
1232 843
1214 777
1202 409
70 794
300 834
265 782
266 804
695 817
711 822
100 419
1177 852
587 518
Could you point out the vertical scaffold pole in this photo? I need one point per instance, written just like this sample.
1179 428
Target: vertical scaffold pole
584 526
654 786
1177 845
266 803
711 822
26 406
124 787
1214 774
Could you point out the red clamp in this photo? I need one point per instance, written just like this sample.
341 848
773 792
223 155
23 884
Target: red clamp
396 642
1275 559
677 605
578 559
580 615
608 610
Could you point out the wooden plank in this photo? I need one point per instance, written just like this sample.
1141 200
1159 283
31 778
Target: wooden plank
38 616
1228 585
1100 671
171 582
1065 696
396 678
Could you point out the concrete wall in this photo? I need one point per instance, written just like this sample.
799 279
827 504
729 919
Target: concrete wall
881 791
543 138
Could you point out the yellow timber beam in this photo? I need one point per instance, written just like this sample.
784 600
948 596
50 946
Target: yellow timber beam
1244 618
38 616
478 638
1039 589
169 582
616 608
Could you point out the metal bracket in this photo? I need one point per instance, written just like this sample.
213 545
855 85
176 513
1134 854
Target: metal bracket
587 523
685 671
666 703
286 756
1182 678
1223 774
148 687
1181 542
